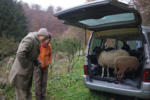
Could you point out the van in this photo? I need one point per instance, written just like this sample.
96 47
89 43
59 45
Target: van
120 24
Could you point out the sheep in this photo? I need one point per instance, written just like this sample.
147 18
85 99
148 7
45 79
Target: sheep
106 59
125 64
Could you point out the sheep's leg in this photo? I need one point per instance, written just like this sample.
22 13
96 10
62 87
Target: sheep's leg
122 75
108 72
102 75
115 70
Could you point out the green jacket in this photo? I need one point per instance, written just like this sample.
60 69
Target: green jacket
23 66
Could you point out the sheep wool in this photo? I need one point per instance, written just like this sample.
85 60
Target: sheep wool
125 64
106 58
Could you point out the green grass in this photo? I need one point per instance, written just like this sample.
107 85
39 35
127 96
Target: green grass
70 86
8 92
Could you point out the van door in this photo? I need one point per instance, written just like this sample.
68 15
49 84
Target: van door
101 14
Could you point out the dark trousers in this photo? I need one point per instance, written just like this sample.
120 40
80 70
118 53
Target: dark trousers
40 79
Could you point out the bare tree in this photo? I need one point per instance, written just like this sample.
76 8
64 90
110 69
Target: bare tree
144 8
38 18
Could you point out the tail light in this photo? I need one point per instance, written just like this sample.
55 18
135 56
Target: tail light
146 76
85 70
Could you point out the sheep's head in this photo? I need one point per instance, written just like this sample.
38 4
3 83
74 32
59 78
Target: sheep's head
109 43
97 51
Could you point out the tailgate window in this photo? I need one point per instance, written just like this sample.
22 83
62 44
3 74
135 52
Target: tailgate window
109 19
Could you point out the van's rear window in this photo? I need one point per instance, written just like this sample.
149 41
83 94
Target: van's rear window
109 19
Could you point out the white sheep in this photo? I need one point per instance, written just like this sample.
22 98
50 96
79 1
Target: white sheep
125 64
106 59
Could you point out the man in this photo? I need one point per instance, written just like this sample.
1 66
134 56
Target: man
26 58
41 72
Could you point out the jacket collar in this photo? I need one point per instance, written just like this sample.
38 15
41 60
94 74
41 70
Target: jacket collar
36 36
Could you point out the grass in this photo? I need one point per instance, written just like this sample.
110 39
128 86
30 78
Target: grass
70 86
8 92
63 85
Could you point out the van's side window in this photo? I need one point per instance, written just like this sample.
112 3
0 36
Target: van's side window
119 44
134 44
96 42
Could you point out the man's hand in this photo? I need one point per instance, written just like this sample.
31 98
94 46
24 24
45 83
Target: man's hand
37 63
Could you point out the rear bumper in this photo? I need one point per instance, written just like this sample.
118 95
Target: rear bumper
115 88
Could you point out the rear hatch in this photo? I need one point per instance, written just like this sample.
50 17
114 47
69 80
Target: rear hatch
99 15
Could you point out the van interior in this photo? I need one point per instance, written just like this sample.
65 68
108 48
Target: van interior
117 38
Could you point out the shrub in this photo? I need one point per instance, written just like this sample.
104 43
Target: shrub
7 47
70 48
